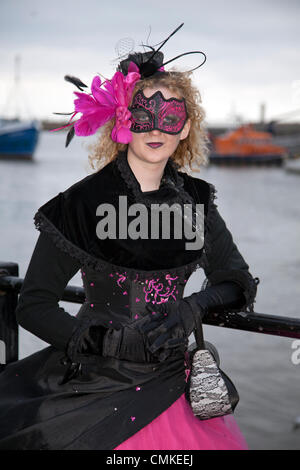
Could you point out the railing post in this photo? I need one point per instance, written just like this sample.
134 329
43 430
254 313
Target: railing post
9 338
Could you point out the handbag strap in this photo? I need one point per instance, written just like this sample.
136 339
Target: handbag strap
198 330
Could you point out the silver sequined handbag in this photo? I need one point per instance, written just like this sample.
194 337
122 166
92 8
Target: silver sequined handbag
209 390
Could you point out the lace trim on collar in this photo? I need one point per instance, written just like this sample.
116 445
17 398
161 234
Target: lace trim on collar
171 179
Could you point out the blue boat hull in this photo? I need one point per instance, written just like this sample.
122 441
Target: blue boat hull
19 143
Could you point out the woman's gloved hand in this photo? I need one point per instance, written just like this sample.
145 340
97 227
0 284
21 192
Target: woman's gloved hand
168 325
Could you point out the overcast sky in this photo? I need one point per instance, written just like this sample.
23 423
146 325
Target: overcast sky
252 49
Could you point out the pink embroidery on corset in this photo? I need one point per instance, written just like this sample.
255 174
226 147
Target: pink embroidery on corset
154 290
170 279
122 278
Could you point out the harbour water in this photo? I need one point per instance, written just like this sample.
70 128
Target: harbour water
261 208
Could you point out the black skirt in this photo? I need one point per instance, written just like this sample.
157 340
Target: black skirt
106 402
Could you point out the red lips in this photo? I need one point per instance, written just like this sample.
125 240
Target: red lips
154 145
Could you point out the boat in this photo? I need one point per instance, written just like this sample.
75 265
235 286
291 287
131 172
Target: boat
246 146
18 139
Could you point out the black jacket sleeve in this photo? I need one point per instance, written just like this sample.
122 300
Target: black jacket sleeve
225 263
38 311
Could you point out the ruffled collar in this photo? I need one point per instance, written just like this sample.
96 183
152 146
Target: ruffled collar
171 187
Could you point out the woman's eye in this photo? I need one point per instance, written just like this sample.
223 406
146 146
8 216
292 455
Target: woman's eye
171 119
140 116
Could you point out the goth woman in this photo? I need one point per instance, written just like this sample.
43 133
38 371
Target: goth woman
115 375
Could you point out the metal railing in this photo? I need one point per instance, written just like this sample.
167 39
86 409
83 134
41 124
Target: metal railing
10 286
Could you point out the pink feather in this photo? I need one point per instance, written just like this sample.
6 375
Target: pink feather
103 104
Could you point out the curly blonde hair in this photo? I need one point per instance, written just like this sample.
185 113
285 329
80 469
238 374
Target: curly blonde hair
193 149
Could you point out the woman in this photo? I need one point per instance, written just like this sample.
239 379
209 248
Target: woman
114 376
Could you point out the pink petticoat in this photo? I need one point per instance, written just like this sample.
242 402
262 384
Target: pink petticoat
178 429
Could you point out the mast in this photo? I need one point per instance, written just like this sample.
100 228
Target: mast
17 81
16 99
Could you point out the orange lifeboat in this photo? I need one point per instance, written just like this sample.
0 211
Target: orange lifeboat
246 145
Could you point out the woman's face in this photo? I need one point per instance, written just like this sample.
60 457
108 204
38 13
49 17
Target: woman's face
156 146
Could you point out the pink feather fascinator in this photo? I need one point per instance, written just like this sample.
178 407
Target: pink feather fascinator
106 101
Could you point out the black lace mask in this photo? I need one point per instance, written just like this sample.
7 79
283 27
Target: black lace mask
147 114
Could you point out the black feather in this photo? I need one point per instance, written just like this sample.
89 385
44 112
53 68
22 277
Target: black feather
164 42
76 81
70 136
149 63
64 114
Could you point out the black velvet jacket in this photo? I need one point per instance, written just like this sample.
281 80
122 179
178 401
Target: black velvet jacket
120 277
69 219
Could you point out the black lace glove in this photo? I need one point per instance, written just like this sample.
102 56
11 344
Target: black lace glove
168 325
